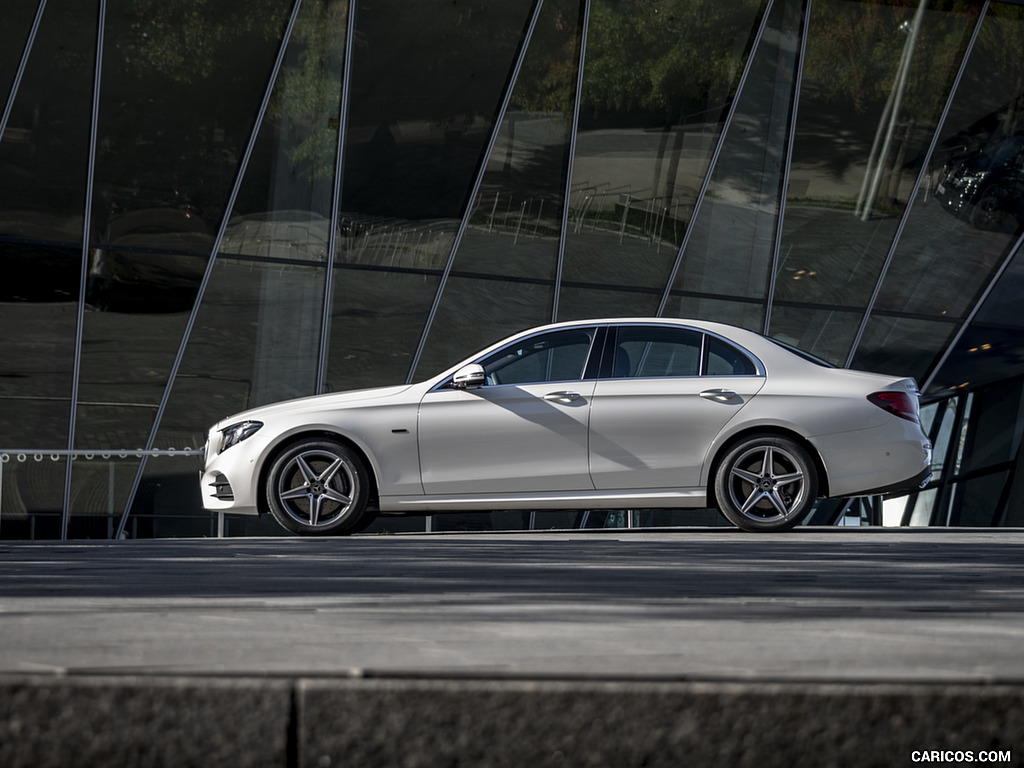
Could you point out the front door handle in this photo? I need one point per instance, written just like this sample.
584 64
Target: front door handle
720 395
562 397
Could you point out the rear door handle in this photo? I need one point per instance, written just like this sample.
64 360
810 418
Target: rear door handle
562 397
720 395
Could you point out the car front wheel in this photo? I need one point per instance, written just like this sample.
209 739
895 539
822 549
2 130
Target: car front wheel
766 483
318 487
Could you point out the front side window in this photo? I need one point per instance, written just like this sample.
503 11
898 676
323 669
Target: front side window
555 356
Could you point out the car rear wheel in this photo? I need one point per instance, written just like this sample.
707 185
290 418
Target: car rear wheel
766 483
318 487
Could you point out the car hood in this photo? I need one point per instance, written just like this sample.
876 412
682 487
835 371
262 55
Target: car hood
330 401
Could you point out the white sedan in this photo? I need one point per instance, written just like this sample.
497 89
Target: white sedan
598 414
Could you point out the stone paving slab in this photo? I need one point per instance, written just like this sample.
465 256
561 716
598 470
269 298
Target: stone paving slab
674 647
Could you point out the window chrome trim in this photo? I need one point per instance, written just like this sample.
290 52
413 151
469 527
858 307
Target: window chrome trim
761 371
597 343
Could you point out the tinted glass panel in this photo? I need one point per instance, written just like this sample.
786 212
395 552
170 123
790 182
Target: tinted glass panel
825 333
725 360
658 82
428 80
555 356
16 18
875 78
644 352
729 252
992 346
504 272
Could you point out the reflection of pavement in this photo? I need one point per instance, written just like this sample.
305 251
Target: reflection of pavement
869 643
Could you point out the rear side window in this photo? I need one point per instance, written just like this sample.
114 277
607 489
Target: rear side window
644 352
725 360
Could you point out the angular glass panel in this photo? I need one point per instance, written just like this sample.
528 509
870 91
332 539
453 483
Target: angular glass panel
582 302
164 172
37 358
514 227
992 347
428 80
257 334
729 252
163 176
993 434
746 314
477 312
977 501
43 159
376 323
253 343
16 18
875 79
45 148
902 346
657 84
972 211
826 333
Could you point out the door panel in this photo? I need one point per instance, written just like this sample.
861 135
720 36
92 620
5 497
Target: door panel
655 433
503 439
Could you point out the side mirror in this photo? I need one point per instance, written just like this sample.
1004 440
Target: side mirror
469 376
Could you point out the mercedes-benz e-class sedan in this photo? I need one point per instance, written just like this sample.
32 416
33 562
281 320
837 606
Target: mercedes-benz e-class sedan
599 414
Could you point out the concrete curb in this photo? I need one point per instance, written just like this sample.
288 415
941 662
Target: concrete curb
127 722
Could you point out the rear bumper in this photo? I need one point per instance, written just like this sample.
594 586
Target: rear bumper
915 483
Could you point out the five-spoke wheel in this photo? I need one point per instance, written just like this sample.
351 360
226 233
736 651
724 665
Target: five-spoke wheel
766 483
318 486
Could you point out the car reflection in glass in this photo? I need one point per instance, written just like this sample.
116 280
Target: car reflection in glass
986 187
600 414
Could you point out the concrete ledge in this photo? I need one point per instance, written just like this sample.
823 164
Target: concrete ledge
65 722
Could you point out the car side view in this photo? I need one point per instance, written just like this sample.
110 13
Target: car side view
599 414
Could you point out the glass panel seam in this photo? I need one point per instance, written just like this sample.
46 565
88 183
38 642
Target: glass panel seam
913 198
726 125
464 222
339 175
21 68
790 142
573 132
243 165
65 515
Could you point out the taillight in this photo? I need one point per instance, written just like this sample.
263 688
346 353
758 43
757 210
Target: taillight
900 404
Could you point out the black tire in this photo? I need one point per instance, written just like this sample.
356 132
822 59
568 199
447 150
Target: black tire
319 487
988 213
766 483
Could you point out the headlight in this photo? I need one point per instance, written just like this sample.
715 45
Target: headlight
236 433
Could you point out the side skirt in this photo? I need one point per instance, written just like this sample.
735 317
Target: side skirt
665 498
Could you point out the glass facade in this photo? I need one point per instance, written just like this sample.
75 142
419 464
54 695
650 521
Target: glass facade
224 207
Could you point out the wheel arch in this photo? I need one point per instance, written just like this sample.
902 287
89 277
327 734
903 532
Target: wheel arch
771 431
267 461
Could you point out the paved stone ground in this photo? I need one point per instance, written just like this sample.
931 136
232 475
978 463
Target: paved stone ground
703 647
